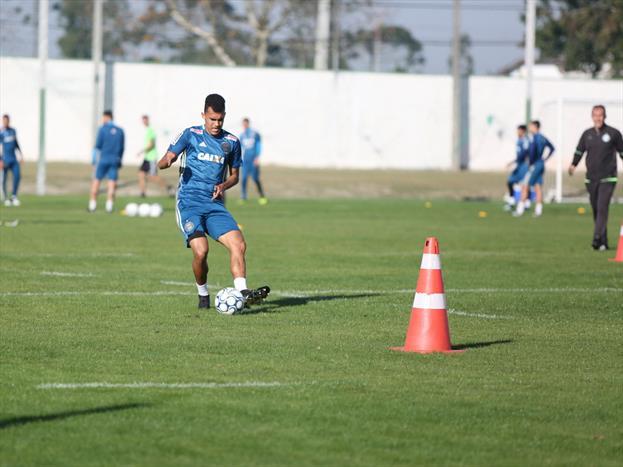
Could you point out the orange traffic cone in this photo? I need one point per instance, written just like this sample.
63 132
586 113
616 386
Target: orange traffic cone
428 329
619 257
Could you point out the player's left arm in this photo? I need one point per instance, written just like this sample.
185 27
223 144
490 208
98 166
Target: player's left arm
550 146
17 146
121 148
232 180
618 143
258 149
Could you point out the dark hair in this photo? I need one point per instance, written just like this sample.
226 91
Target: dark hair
108 113
215 102
245 120
536 123
599 106
6 116
522 127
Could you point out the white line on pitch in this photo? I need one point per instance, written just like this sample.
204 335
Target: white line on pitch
153 385
308 293
67 274
452 311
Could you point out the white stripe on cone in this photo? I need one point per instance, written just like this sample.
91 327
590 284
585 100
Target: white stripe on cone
430 261
432 301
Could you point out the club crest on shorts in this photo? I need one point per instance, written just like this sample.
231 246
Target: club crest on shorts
189 226
605 137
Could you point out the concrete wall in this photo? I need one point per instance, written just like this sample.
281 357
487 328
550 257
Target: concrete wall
307 118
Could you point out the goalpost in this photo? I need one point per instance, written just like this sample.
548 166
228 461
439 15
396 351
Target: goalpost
563 121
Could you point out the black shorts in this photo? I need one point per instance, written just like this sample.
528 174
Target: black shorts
149 167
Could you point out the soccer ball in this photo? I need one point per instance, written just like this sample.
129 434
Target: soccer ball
144 210
155 210
229 301
131 209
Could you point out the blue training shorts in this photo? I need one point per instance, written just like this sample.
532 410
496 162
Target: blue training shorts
198 218
109 170
534 176
518 174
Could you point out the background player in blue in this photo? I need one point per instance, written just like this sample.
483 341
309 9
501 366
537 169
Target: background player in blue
107 156
520 162
534 175
210 165
9 160
251 149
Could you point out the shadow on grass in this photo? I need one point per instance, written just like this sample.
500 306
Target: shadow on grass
25 420
478 345
272 306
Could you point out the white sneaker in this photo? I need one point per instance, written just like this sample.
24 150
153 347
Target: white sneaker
8 203
15 201
92 206
510 200
109 206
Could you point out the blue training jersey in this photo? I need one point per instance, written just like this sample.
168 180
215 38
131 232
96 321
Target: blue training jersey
8 138
205 160
538 144
251 143
522 150
110 143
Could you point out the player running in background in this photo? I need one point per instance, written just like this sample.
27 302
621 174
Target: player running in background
600 143
534 175
149 167
107 156
9 160
208 154
251 150
520 162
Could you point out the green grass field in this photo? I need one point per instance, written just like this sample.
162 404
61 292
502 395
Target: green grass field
308 378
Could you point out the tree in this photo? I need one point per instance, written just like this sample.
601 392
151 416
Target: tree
396 41
582 34
77 21
467 61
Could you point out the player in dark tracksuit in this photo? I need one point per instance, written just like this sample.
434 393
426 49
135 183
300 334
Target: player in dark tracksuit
9 160
600 143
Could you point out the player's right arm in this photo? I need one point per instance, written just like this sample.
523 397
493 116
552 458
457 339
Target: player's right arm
579 152
177 146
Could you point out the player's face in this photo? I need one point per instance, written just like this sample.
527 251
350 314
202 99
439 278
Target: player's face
213 121
598 117
533 129
520 133
245 124
5 122
145 121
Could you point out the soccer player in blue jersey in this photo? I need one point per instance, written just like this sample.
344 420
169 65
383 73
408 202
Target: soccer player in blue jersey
520 162
251 148
9 160
107 155
534 175
210 165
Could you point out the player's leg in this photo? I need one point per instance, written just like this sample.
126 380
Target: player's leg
538 209
5 173
199 246
605 191
141 180
244 177
17 176
258 184
95 186
525 192
112 175
593 194
237 247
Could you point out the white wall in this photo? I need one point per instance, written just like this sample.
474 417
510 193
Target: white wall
307 118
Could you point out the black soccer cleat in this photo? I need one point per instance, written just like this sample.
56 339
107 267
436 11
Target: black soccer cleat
255 296
204 302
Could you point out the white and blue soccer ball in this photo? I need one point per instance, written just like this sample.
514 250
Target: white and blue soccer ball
155 210
144 209
131 209
229 301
